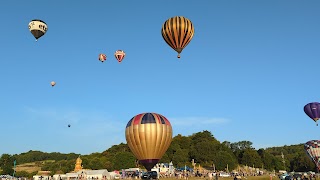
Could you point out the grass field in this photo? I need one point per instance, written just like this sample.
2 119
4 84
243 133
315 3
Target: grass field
31 167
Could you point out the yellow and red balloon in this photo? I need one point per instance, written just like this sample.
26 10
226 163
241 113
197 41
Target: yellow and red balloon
149 136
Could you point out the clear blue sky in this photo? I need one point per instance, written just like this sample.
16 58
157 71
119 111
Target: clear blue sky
246 75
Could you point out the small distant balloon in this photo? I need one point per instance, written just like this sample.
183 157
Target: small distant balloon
119 54
38 28
53 83
313 111
102 57
69 125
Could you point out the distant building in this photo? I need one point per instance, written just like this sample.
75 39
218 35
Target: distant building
164 168
78 174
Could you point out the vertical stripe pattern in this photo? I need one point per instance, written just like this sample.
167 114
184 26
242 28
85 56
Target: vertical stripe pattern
148 136
177 32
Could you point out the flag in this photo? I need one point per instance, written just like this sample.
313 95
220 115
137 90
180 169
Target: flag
14 167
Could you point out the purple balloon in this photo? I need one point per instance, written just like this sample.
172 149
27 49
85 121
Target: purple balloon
313 110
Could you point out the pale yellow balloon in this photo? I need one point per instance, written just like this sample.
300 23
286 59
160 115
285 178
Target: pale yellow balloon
53 83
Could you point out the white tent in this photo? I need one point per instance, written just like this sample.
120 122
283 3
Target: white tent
72 176
114 175
40 177
59 177
101 174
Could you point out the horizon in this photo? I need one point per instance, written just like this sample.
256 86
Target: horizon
126 143
246 75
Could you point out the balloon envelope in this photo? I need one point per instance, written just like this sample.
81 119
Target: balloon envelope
312 110
149 135
53 83
119 54
102 57
38 28
312 149
177 32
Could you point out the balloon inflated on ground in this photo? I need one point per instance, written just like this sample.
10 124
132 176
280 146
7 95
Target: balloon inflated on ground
148 135
313 111
38 28
312 149
119 54
177 32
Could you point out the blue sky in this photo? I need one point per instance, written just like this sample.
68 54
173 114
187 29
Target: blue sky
246 75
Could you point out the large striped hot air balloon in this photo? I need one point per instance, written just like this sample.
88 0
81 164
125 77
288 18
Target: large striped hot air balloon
313 111
38 28
149 135
312 149
177 32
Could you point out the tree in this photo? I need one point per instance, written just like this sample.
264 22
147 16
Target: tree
6 164
95 164
173 148
204 151
222 159
204 147
251 157
123 160
267 159
22 174
227 144
180 157
301 163
203 136
165 158
241 145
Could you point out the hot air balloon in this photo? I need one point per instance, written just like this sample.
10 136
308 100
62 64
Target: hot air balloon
119 54
177 32
148 136
69 125
313 111
102 57
38 28
53 83
312 149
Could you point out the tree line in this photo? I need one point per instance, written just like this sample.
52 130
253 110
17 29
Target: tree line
202 147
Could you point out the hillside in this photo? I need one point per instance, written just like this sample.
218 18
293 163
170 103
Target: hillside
29 167
203 147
